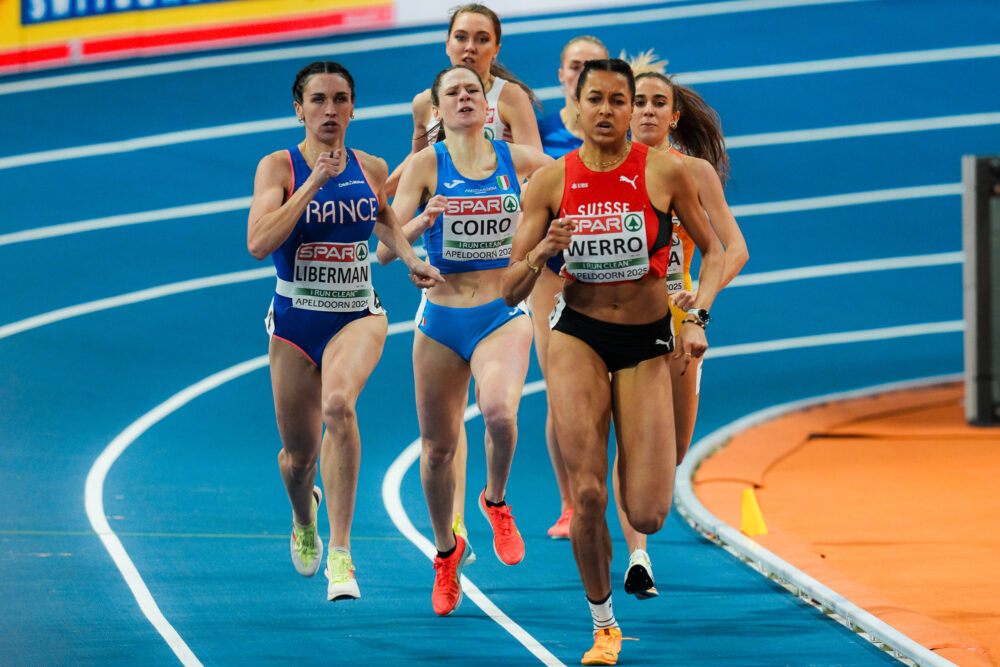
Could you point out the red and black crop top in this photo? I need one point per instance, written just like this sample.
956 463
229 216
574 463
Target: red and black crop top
619 235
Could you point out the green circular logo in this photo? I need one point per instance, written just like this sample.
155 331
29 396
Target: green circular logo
510 203
633 222
361 251
488 131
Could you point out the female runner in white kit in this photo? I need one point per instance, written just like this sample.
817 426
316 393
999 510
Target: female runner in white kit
314 207
474 41
469 186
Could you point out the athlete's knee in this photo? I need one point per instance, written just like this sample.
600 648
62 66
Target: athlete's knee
437 454
297 463
590 497
500 417
646 519
338 407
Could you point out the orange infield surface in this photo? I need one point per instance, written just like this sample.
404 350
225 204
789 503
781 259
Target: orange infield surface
892 500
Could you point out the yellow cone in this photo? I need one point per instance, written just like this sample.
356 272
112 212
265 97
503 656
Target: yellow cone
752 522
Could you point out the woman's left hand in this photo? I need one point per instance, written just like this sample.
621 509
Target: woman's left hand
690 344
424 275
684 299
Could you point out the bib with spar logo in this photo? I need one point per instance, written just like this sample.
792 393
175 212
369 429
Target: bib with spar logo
608 248
332 277
479 227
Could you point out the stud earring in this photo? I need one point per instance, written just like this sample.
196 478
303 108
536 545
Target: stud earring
673 125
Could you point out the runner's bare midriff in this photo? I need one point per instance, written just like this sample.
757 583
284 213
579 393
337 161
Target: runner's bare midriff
635 302
467 290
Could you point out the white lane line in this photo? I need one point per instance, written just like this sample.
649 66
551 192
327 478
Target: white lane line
847 268
94 500
661 14
740 210
766 562
158 215
762 278
842 64
186 136
399 41
822 340
132 297
849 199
94 490
864 130
391 484
393 110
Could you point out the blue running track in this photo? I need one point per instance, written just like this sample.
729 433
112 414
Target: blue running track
135 392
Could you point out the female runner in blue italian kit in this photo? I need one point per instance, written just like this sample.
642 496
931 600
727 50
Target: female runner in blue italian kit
469 186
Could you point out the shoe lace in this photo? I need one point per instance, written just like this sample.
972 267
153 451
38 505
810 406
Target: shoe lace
605 640
504 520
340 567
447 569
305 538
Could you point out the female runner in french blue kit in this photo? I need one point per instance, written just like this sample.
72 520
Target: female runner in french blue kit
314 207
469 187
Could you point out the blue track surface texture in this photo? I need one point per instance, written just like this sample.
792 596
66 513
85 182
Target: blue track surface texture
195 498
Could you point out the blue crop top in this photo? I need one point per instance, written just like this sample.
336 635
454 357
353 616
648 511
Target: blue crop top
476 231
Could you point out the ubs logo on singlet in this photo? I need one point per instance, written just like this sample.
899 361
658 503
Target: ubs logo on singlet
342 212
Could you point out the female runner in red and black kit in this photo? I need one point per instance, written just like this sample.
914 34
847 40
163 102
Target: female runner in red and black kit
604 206
668 115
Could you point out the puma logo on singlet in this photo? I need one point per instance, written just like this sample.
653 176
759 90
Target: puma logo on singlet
631 181
660 341
452 184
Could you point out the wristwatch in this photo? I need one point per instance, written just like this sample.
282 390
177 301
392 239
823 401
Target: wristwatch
700 314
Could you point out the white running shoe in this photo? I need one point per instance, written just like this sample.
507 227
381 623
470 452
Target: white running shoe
340 572
639 576
306 545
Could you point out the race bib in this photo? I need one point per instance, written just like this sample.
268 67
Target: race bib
332 277
479 227
675 269
608 248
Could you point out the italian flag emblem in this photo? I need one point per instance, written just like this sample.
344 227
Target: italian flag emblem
503 182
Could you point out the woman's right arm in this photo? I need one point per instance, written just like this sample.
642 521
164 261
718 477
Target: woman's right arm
414 183
421 116
271 218
536 240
